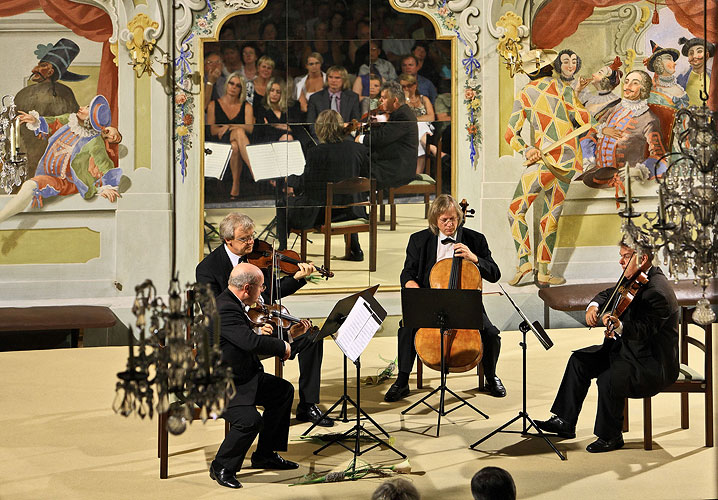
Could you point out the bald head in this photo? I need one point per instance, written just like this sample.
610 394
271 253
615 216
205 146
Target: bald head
245 274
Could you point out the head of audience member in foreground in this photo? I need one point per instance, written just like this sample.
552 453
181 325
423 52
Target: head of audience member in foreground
396 489
493 483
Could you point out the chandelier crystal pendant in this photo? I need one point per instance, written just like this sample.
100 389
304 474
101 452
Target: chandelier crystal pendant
178 360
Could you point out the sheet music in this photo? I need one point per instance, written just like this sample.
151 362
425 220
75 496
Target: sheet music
276 159
216 161
358 329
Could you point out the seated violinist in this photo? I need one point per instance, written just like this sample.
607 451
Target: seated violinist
638 357
237 231
446 238
336 158
241 346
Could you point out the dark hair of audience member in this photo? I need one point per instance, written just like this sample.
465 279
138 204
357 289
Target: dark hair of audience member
396 489
493 483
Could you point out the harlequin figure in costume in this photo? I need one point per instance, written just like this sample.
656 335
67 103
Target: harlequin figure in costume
550 108
76 159
628 131
692 80
666 90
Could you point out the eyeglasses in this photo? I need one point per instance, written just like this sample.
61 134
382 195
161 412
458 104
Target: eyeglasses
246 239
446 220
262 287
408 85
315 63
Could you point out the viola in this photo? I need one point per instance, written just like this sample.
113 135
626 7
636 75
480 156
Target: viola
462 348
287 260
627 290
278 315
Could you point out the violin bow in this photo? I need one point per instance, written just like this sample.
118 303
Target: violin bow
615 289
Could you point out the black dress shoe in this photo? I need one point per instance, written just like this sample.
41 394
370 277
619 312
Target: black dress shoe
273 461
224 477
557 425
601 445
495 387
356 256
312 413
396 392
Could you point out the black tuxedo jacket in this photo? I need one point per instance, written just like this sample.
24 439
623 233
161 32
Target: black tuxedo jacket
329 162
645 359
348 105
241 346
421 257
394 148
216 267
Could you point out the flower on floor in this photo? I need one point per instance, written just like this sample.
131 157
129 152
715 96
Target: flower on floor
355 471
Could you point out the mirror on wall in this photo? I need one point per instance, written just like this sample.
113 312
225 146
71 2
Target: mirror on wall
269 78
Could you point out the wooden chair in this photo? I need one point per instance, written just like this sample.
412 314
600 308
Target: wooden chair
427 186
689 381
356 185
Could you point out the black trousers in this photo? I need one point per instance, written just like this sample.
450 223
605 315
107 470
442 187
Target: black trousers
582 367
275 395
490 338
310 368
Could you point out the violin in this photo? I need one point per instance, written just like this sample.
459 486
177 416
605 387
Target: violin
278 315
627 291
463 349
288 260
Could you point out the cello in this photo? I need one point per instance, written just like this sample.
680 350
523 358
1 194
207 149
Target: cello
462 348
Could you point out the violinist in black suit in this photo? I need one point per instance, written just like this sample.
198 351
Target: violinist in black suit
241 346
394 144
237 232
638 360
336 158
445 238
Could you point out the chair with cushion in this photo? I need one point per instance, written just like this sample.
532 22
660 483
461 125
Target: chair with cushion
424 184
356 185
689 381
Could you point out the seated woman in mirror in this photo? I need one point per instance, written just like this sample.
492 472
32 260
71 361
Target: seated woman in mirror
271 115
311 83
424 111
257 89
336 158
231 120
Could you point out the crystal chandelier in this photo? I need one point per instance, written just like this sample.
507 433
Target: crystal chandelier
12 160
684 231
176 357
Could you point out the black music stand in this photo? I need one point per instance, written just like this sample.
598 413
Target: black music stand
525 326
446 310
331 325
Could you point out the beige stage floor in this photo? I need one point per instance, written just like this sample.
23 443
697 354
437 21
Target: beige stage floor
60 439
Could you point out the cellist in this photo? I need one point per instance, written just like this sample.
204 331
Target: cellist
425 248
638 358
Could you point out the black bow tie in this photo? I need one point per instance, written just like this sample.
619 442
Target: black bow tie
446 241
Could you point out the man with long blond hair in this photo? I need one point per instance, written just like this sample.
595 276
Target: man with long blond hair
446 238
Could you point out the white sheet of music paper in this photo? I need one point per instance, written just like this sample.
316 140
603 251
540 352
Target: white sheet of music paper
276 159
357 330
215 163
